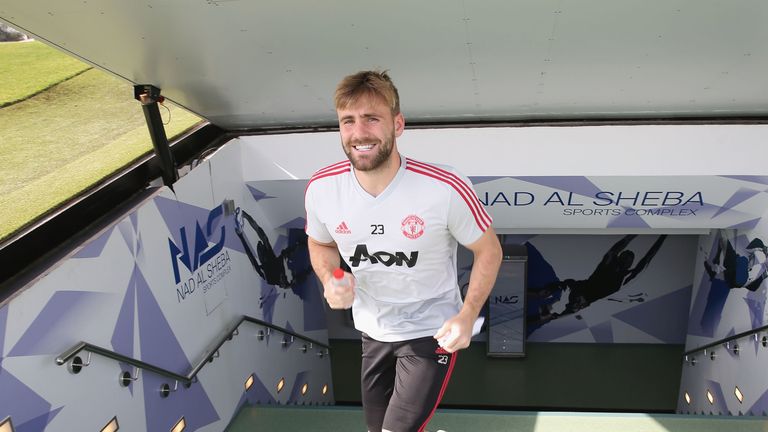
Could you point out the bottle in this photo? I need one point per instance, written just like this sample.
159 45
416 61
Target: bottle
340 280
338 277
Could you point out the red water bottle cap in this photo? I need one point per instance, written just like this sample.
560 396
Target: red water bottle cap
338 274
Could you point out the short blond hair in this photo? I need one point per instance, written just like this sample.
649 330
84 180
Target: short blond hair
376 84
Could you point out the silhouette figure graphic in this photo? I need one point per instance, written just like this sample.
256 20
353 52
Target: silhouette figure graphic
614 271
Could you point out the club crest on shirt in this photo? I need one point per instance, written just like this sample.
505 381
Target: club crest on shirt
412 226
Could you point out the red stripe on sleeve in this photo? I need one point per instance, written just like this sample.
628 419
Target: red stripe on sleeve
458 184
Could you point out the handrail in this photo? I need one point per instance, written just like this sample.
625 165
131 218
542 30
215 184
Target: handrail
726 340
210 353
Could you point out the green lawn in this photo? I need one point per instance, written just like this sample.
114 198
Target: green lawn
56 144
27 68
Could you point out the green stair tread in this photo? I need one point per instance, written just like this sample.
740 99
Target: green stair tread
266 418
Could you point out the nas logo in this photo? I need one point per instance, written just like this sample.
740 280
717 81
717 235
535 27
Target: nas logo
412 226
206 244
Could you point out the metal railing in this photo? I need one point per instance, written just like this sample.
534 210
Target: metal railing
726 341
208 356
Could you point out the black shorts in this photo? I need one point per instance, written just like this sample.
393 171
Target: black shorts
403 382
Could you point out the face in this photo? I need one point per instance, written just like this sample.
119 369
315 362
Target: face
368 131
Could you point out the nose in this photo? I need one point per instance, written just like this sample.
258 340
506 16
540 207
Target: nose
360 132
359 129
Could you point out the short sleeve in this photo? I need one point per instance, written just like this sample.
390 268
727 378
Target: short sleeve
467 218
315 228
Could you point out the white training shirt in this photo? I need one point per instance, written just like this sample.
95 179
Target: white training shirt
400 245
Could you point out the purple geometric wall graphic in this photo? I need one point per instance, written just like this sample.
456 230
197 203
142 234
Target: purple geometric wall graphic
259 393
627 221
746 225
737 198
704 316
661 317
242 402
540 271
134 217
755 305
603 332
38 423
23 404
297 223
707 310
129 235
476 180
94 248
158 343
60 321
163 412
177 215
753 179
122 335
139 246
257 194
719 406
579 185
128 229
556 329
314 309
267 301
760 407
540 274
298 383
280 244
160 347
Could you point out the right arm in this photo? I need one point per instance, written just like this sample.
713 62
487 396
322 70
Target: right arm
325 259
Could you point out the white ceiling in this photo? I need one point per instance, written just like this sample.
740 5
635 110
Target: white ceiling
246 63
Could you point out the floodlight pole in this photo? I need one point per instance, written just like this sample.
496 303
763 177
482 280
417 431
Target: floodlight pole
149 96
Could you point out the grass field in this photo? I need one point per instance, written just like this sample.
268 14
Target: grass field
27 68
56 143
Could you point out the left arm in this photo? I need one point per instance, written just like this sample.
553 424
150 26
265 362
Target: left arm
456 332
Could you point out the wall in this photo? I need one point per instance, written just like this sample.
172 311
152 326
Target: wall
170 275
161 284
729 298
671 179
622 352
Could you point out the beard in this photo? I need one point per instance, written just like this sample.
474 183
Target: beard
369 162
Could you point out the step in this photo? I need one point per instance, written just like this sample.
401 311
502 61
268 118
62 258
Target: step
268 418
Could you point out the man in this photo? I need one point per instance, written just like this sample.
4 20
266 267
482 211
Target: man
396 223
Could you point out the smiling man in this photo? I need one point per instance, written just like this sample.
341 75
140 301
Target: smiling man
396 222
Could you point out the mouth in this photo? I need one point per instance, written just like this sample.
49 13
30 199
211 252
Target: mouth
363 147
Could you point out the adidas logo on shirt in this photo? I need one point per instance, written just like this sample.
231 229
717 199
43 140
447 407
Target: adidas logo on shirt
343 228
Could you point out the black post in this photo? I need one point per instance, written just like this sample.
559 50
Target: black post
149 95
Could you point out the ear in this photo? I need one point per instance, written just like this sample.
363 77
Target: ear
399 124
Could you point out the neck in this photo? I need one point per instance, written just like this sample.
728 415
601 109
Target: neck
374 182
